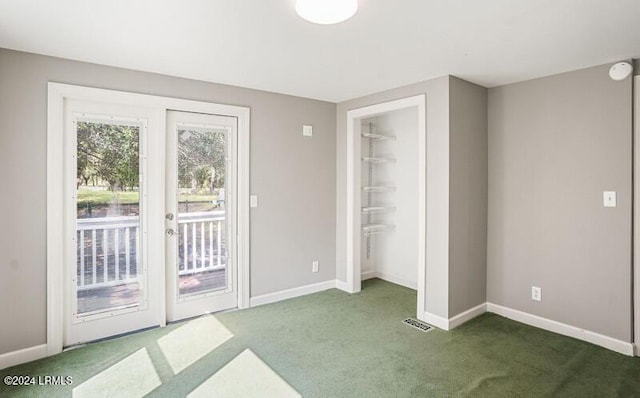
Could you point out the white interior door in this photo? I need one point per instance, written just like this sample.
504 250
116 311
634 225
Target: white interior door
201 218
112 224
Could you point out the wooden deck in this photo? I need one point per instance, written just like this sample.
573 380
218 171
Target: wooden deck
104 298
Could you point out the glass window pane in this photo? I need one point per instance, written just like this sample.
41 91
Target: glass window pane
108 216
202 255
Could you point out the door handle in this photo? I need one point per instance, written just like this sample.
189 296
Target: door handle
170 232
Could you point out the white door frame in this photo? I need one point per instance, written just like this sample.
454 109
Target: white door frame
636 213
57 94
353 265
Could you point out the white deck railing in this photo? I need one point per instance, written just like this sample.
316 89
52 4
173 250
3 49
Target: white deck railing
115 242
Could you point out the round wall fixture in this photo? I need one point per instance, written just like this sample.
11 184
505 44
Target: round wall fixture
326 12
620 71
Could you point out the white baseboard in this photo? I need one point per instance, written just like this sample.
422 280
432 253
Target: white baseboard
22 356
291 293
342 286
368 275
398 280
467 315
564 329
435 320
455 321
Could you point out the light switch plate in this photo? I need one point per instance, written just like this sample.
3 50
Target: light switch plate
253 201
609 199
307 130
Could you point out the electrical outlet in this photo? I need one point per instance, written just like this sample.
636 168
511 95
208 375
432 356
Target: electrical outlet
314 266
536 293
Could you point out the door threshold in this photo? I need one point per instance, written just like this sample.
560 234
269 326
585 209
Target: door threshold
117 336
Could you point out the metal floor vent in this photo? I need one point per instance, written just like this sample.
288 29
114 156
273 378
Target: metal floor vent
418 324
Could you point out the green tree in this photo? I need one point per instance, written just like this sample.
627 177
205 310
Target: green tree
201 158
110 152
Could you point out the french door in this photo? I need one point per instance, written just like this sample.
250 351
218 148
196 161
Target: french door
201 214
112 281
149 217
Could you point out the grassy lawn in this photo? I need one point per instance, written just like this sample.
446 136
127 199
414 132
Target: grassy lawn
197 198
98 198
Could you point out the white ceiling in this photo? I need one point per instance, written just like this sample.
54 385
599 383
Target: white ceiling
263 44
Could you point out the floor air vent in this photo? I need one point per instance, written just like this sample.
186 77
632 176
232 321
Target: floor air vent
418 324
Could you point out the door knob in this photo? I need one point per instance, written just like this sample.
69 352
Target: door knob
170 232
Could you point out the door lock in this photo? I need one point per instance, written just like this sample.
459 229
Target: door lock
169 216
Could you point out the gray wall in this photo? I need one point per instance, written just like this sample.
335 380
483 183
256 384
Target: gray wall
294 177
555 144
467 195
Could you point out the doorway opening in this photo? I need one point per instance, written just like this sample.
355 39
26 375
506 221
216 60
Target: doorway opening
386 195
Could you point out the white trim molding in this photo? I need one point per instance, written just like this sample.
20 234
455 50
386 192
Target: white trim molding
398 280
567 330
22 356
435 320
365 275
342 286
292 293
455 321
467 315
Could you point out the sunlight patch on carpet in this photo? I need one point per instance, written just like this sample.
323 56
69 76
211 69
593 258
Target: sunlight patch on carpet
192 341
245 376
133 377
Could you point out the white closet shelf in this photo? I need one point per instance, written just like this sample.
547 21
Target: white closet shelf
378 136
369 229
378 159
382 188
378 209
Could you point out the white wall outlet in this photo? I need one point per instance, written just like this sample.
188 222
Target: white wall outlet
609 198
536 293
314 266
307 130
253 201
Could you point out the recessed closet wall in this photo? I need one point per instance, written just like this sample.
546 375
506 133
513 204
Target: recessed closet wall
392 252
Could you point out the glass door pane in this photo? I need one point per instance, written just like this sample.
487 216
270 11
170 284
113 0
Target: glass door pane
202 214
108 254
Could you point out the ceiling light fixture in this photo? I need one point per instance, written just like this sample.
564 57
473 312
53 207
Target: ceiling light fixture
326 12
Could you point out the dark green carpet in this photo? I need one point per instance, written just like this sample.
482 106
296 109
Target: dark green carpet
332 344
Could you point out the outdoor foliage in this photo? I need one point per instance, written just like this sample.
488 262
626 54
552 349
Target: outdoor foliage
108 153
201 157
